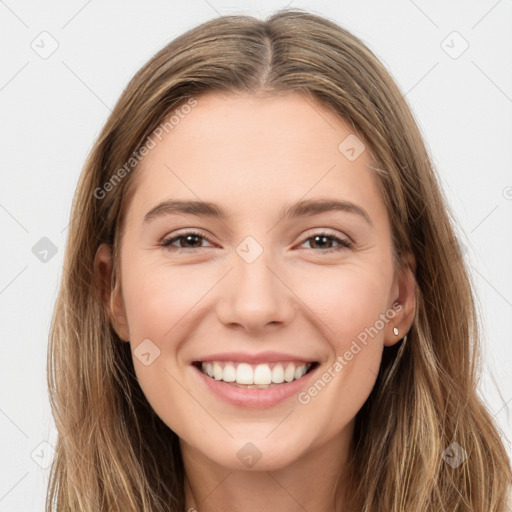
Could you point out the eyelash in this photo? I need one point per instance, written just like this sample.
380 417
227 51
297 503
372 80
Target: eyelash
343 244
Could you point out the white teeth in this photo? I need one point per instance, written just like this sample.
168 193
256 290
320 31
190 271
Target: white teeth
298 372
278 374
229 374
289 373
262 374
244 374
254 376
217 371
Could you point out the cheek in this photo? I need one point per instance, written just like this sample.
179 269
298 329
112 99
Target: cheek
158 298
349 301
351 305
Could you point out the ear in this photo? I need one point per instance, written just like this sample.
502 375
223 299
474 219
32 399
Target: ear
110 291
404 301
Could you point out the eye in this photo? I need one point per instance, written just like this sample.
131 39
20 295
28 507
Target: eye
324 237
193 238
189 237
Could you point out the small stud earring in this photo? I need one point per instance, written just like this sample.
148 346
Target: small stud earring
395 331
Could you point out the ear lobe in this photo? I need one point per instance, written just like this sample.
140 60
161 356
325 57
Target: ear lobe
407 300
109 291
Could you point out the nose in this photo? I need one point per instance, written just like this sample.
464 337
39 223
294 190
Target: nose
255 295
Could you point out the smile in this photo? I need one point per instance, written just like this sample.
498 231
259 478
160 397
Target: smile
262 376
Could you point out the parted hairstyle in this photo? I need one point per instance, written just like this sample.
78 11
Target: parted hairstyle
113 452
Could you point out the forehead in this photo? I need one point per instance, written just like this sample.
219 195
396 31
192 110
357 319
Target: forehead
252 153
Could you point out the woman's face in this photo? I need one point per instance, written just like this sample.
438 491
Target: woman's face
263 288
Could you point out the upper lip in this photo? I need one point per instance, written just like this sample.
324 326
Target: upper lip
260 357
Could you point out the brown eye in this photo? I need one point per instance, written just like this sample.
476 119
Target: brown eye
322 239
190 240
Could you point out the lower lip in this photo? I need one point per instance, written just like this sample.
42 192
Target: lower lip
255 398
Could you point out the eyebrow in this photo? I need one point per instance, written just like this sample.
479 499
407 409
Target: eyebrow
300 209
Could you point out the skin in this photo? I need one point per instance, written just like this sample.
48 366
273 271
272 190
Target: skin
253 156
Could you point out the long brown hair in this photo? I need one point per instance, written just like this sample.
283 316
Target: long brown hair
113 452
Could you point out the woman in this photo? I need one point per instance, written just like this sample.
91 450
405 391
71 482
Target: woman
208 351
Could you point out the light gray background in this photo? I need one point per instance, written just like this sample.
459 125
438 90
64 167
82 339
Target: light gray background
51 110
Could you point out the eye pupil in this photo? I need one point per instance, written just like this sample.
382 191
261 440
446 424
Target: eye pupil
321 237
189 237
